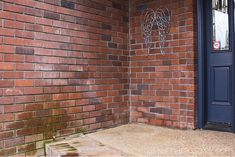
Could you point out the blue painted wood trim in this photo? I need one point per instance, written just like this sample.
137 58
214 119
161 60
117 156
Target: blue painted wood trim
200 49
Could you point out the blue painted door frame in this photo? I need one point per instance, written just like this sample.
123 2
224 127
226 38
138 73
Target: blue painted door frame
201 31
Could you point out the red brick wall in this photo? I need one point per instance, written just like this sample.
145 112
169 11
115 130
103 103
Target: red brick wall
63 67
163 87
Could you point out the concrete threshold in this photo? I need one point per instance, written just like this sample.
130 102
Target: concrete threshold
145 140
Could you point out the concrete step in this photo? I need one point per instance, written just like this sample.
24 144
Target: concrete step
83 146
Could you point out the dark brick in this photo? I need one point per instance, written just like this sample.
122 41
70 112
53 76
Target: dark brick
122 46
106 37
112 45
54 2
142 87
136 92
133 41
149 104
81 21
166 62
125 18
161 110
116 5
24 50
117 63
111 57
100 119
67 4
141 7
51 15
149 69
106 26
94 101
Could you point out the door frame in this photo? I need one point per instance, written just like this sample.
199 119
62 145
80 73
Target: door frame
201 66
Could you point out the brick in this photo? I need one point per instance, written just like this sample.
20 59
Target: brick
45 82
112 45
33 27
27 147
6 66
125 19
33 138
40 98
13 91
116 5
24 99
149 69
106 37
141 7
33 107
13 8
8 151
13 75
67 4
24 83
30 75
33 11
6 135
34 90
88 108
24 66
60 96
161 110
6 100
106 26
13 108
6 83
13 57
24 50
24 115
25 131
51 15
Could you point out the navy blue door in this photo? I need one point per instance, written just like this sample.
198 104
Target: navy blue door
219 63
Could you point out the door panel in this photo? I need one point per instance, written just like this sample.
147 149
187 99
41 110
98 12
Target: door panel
219 62
220 82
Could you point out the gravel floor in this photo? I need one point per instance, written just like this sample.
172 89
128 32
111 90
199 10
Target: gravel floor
145 140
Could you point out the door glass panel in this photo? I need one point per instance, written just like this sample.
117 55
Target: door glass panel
220 25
